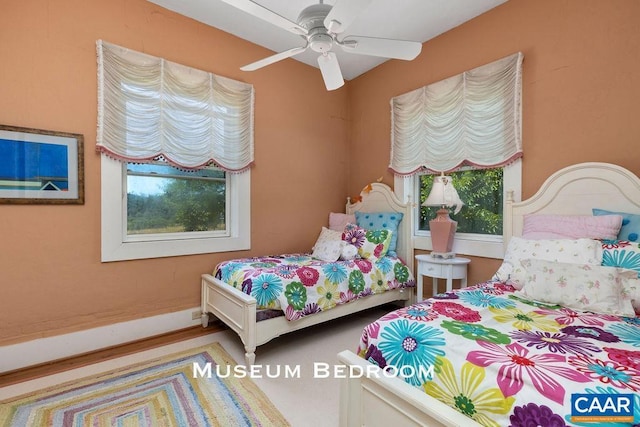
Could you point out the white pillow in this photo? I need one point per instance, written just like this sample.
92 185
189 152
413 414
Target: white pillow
329 250
578 251
328 246
348 252
579 286
327 234
631 292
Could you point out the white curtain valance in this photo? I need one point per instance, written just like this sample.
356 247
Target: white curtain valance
149 107
473 118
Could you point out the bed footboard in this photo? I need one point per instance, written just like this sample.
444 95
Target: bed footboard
236 309
379 400
239 311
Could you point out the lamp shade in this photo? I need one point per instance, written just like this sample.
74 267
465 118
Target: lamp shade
443 193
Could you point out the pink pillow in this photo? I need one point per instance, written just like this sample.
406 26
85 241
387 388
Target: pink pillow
338 221
571 227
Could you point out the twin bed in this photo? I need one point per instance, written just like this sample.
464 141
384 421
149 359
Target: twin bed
257 322
500 357
489 354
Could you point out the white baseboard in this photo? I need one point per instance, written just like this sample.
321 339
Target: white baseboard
16 356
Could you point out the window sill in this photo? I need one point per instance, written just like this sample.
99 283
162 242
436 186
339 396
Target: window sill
486 248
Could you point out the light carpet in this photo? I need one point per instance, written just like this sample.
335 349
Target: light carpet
160 392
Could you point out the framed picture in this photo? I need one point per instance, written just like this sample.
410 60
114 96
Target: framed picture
41 167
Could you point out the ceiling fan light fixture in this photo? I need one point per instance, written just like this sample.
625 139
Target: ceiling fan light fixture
320 43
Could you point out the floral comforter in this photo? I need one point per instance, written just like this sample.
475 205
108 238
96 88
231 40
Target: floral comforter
502 360
300 285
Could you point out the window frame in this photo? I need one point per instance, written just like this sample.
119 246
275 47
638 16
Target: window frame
482 245
118 246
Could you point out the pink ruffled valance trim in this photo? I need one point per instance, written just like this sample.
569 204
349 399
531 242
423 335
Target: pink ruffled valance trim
112 155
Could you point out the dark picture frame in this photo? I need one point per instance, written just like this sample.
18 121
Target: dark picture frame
40 166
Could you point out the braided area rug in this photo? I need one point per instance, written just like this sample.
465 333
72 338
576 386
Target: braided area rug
174 390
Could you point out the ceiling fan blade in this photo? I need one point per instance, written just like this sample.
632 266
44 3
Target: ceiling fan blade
343 13
330 71
386 48
265 14
273 58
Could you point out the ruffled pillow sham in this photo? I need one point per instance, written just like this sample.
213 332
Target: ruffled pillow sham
631 292
624 254
575 251
579 286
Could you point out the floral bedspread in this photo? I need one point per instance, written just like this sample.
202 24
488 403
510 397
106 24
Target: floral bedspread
505 361
300 285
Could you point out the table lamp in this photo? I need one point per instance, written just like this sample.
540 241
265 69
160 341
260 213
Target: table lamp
442 227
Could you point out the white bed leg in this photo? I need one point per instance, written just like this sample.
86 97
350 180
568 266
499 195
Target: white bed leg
204 318
250 356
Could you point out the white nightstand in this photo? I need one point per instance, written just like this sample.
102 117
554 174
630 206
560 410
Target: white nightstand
437 268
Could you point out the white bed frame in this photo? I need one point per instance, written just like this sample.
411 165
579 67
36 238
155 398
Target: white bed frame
238 310
575 190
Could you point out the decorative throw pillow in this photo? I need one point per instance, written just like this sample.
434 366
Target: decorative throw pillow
579 286
348 252
328 246
337 221
571 226
382 221
630 229
328 250
578 251
371 244
621 253
631 292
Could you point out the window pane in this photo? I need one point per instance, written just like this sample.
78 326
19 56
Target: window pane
481 192
163 199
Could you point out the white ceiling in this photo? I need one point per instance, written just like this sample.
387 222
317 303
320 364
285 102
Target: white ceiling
417 20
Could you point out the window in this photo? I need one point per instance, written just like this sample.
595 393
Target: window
160 124
481 192
182 233
473 237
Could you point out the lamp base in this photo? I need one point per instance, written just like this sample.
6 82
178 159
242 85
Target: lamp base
443 255
442 229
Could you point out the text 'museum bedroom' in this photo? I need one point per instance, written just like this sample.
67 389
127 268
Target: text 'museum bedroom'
321 212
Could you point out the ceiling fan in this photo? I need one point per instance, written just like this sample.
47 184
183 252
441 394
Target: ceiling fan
319 25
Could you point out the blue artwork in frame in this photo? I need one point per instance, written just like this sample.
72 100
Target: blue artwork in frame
38 166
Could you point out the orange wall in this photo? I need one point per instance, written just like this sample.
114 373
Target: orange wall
581 85
581 78
51 277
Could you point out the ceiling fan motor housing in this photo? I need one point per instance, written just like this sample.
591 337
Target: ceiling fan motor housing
320 42
312 18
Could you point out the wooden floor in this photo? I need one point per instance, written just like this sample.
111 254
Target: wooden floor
44 369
